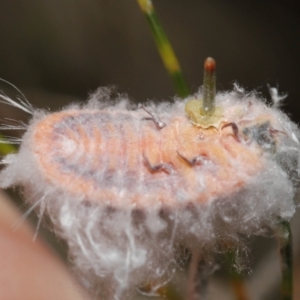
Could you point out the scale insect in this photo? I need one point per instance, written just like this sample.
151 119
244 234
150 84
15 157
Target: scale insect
125 185
120 157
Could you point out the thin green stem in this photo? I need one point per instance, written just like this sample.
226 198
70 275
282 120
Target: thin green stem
209 86
6 148
284 236
164 47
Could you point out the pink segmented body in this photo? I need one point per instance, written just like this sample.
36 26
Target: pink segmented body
121 157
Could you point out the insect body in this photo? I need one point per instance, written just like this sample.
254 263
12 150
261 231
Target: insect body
119 157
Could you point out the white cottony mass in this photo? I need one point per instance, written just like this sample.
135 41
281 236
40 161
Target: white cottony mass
126 194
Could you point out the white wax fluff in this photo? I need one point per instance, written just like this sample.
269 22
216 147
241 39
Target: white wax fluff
117 249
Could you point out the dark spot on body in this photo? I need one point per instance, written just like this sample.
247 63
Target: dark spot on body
262 135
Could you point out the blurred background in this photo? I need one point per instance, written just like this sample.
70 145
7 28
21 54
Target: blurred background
59 51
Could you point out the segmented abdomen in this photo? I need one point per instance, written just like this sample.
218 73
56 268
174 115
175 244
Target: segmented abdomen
122 157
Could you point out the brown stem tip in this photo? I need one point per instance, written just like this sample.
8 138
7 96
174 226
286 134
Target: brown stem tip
209 65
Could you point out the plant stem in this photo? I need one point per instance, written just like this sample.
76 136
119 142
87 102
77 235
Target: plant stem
6 148
209 86
164 47
284 236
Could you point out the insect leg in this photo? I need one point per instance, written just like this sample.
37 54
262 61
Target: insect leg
197 160
235 130
165 167
155 118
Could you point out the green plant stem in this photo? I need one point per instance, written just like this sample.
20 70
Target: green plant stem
209 86
285 244
6 148
164 48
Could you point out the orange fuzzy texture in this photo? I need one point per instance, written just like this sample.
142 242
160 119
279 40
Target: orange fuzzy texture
102 151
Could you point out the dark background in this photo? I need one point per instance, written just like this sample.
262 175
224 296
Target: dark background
67 48
58 51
